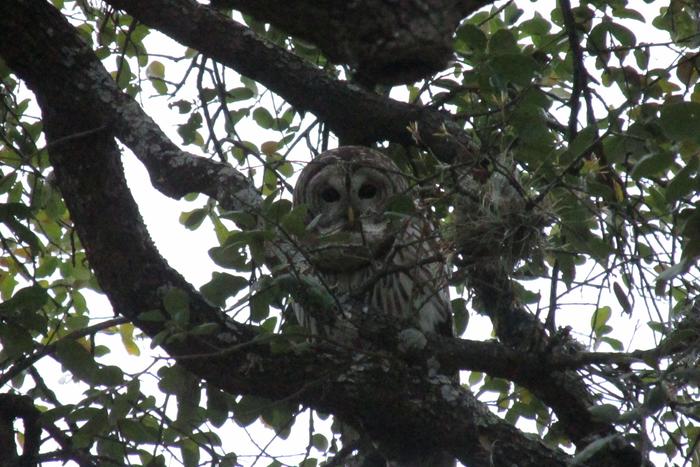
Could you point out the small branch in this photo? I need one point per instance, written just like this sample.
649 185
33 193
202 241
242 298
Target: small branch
550 322
580 81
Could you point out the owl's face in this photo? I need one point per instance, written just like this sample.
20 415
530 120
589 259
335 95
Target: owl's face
346 191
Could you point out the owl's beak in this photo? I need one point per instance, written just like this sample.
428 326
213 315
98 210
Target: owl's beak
351 216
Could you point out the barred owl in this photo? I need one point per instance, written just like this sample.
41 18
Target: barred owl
378 266
392 264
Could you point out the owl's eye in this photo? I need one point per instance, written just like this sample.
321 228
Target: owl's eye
330 195
367 191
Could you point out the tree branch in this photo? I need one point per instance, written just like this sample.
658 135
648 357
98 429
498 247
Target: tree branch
384 42
12 407
580 81
354 115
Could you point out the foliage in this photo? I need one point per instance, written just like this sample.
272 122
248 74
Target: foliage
598 146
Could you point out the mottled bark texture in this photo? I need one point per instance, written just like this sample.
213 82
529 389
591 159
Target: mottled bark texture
390 398
384 41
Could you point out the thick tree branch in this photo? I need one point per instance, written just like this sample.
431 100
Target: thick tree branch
384 42
354 115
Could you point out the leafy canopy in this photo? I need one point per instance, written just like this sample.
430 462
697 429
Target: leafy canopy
589 115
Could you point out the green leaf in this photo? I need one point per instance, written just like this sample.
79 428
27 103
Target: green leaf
632 415
250 84
76 359
177 303
306 289
652 164
155 73
205 329
123 74
138 431
208 94
260 306
244 220
217 406
622 34
294 222
174 380
597 38
188 131
222 286
581 144
599 318
273 210
239 94
402 204
641 56
461 316
126 331
248 409
24 234
190 452
194 218
97 423
229 256
622 299
628 13
14 210
684 182
614 344
515 68
15 340
26 300
79 302
655 399
472 37
263 118
109 375
281 417
503 42
605 412
681 120
229 460
319 442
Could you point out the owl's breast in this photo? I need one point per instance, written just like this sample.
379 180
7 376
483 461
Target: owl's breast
349 248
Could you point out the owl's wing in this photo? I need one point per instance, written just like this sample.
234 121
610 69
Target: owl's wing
415 285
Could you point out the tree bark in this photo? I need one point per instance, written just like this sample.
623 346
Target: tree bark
384 42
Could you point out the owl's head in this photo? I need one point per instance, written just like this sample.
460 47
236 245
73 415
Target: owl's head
346 191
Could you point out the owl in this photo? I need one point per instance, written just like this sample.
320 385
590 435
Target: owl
385 264
377 264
